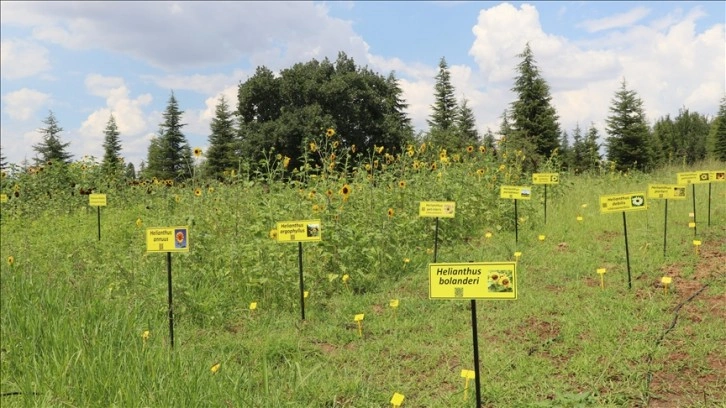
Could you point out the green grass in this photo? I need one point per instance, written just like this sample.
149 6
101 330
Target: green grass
74 308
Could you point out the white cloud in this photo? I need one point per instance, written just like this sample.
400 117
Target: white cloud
626 19
22 104
22 59
204 84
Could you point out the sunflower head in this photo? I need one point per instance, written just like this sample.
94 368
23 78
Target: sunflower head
11 260
482 149
480 172
402 184
198 192
197 152
313 147
273 234
330 132
145 335
469 149
390 212
345 191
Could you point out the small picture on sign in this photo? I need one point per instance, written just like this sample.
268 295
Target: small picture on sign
637 200
679 191
313 230
526 192
703 176
448 208
180 238
721 176
555 178
499 281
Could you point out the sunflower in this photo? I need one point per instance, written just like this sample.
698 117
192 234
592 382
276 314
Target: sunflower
313 147
197 152
11 260
198 192
145 335
329 193
482 149
336 144
379 149
494 277
410 153
273 234
3 174
352 148
345 278
504 281
330 132
316 208
402 184
390 213
285 161
469 149
480 172
311 194
368 167
345 192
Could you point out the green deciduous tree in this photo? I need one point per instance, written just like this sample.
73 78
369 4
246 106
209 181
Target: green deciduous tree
112 161
51 149
628 142
223 151
169 154
718 133
534 121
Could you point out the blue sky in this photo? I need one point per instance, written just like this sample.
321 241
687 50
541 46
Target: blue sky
87 60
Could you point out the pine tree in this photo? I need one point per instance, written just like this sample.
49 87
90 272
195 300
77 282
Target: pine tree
112 160
628 143
534 119
718 134
3 160
565 152
51 149
223 143
466 125
444 108
592 148
579 150
489 142
169 154
130 171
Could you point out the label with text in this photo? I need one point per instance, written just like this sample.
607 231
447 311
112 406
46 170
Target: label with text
667 191
623 202
3 198
471 280
97 200
440 209
546 178
299 231
693 177
167 239
515 192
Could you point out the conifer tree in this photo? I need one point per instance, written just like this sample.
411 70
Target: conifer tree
466 125
51 149
112 161
534 120
223 148
628 143
592 148
169 155
718 133
442 121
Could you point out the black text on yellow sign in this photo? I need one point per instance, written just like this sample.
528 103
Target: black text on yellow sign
167 239
693 177
440 209
545 178
623 202
97 200
667 191
483 280
299 231
515 192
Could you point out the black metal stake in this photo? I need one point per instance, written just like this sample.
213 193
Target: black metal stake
665 228
709 204
476 353
545 204
516 223
171 307
436 239
302 284
627 252
693 189
99 222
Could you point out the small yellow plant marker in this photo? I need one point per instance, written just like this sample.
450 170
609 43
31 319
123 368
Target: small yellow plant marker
579 218
488 235
467 375
253 306
697 245
691 224
393 304
359 320
517 255
345 279
541 237
145 336
397 399
666 280
215 368
306 294
601 272
584 206
690 215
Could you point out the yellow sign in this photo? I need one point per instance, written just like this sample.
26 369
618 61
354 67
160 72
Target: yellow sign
169 239
622 202
546 178
97 200
3 198
694 177
667 191
718 176
515 192
441 209
397 399
483 280
299 231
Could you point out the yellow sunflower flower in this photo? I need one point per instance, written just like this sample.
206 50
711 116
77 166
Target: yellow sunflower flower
345 192
480 172
313 147
198 192
352 149
390 213
469 149
402 184
145 335
285 161
273 233
504 281
330 132
482 149
11 260
329 193
197 152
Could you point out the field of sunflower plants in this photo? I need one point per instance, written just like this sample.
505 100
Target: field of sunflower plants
85 322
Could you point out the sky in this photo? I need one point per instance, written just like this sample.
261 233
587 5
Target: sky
85 61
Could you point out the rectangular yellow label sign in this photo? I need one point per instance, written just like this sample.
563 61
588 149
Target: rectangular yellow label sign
97 200
693 177
515 192
622 202
441 209
667 191
546 178
167 239
483 280
718 176
3 198
299 231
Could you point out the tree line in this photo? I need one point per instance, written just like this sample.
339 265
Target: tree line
285 113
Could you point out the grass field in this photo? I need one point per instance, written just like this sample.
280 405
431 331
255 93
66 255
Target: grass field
85 322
